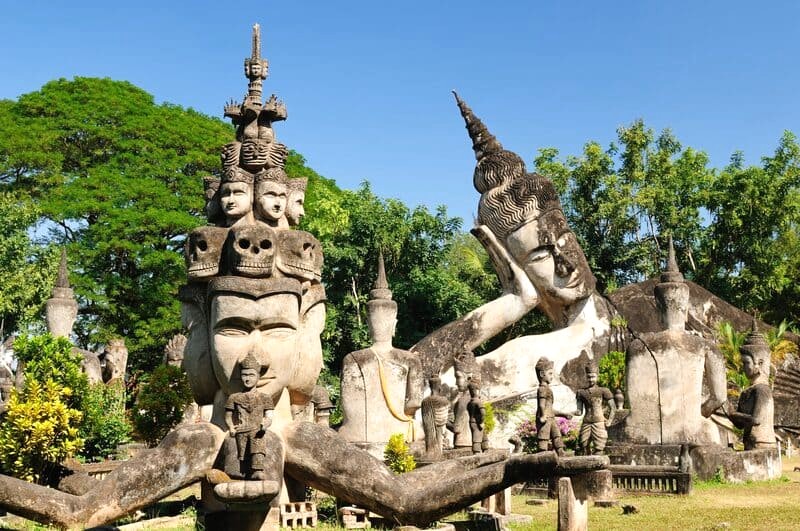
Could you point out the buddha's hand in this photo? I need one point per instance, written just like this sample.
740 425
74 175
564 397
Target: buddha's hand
512 277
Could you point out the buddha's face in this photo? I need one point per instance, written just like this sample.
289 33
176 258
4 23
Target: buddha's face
267 326
295 207
236 199
381 320
271 199
551 257
750 367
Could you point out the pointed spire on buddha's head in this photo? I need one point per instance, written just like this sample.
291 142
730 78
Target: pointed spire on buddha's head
671 273
483 142
381 288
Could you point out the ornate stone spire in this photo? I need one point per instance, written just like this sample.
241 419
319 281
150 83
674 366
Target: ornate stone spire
755 339
61 309
381 288
483 142
255 69
672 273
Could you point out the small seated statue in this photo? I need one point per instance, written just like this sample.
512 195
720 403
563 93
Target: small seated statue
593 433
248 415
547 431
477 416
755 412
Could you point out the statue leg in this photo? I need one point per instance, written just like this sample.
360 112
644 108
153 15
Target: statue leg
320 458
182 458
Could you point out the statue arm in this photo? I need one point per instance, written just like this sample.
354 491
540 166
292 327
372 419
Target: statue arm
612 410
481 324
323 460
414 385
714 376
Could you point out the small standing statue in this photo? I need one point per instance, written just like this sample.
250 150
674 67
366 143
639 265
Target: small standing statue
477 414
247 416
593 434
547 431
435 409
755 412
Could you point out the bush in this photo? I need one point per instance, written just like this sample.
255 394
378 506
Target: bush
39 431
397 455
488 418
611 370
51 358
160 403
104 425
527 433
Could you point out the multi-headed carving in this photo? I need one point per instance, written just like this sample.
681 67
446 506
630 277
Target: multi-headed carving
299 255
251 250
203 250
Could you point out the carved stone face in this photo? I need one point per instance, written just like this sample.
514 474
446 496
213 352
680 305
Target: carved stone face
545 376
591 377
550 255
236 199
251 250
300 255
271 200
202 252
249 378
381 319
295 208
268 327
461 381
254 154
230 154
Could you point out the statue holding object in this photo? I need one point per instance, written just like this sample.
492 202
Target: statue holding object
593 432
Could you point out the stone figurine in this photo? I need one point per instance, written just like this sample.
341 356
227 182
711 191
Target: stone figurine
435 409
591 400
477 415
276 315
248 415
381 385
547 431
674 380
755 411
459 423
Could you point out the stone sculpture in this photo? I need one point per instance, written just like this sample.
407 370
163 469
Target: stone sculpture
248 415
547 432
593 432
755 411
271 195
381 385
173 352
62 309
477 415
666 373
115 360
276 315
296 200
459 425
435 409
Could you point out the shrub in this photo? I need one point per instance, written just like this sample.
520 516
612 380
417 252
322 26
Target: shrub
527 432
104 425
160 403
488 418
51 358
39 431
611 370
398 456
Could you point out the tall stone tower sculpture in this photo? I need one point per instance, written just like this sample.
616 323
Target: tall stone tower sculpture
61 307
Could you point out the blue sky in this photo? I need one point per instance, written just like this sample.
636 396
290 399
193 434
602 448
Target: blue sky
367 84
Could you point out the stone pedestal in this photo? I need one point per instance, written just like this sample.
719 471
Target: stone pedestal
573 513
499 503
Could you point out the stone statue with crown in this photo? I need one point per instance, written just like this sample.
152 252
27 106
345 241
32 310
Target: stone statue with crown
381 385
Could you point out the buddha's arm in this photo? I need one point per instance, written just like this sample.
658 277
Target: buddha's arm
414 387
714 376
320 458
182 458
481 324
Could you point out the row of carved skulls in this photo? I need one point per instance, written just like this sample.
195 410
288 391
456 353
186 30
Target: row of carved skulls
255 250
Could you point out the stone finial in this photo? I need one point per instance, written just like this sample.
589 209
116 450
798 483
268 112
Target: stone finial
250 362
756 344
483 142
62 281
381 288
671 273
61 309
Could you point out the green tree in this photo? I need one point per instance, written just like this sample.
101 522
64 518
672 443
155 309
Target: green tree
26 270
160 402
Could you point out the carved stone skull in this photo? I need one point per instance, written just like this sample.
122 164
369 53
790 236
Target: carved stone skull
254 154
202 251
251 250
299 255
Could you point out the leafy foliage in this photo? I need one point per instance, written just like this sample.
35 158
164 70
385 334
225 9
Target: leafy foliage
45 357
611 370
397 455
26 270
104 425
489 421
160 403
39 430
